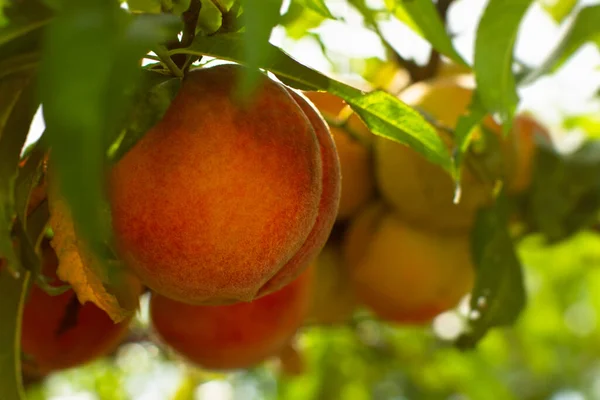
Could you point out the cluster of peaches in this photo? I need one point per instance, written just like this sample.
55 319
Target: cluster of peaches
248 220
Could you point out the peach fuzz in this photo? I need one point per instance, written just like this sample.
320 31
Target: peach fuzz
236 335
217 198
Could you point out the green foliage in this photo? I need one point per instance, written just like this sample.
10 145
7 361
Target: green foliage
83 107
256 50
148 6
84 60
499 294
17 107
421 16
298 20
558 9
11 307
151 101
583 29
383 113
210 18
317 6
493 63
565 197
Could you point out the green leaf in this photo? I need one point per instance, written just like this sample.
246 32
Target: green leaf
18 104
494 45
589 123
259 21
89 72
583 29
28 177
298 20
384 114
23 19
464 128
565 193
152 100
210 17
19 63
78 56
179 6
422 17
499 293
558 9
318 6
145 6
11 309
3 20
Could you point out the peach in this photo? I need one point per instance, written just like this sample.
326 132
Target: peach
334 301
358 183
59 333
221 195
330 199
422 192
237 335
404 274
523 140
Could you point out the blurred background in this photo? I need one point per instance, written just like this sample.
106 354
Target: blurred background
552 352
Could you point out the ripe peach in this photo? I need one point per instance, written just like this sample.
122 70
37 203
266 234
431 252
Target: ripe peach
330 199
236 335
358 184
404 274
422 192
59 333
219 195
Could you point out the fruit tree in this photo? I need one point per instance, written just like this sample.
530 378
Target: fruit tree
299 199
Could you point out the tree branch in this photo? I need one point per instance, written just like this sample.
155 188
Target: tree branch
190 21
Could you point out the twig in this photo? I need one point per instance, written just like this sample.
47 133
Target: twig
165 58
190 21
229 21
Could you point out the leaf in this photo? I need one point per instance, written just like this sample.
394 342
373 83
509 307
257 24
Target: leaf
298 20
19 63
23 19
464 128
318 6
210 18
89 72
154 96
422 17
78 266
558 9
30 187
17 107
384 114
565 193
493 60
499 293
583 29
258 21
145 6
3 20
14 292
589 123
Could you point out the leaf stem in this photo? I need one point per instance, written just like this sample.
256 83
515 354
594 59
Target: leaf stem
165 58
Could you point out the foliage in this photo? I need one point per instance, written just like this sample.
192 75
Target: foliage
106 71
